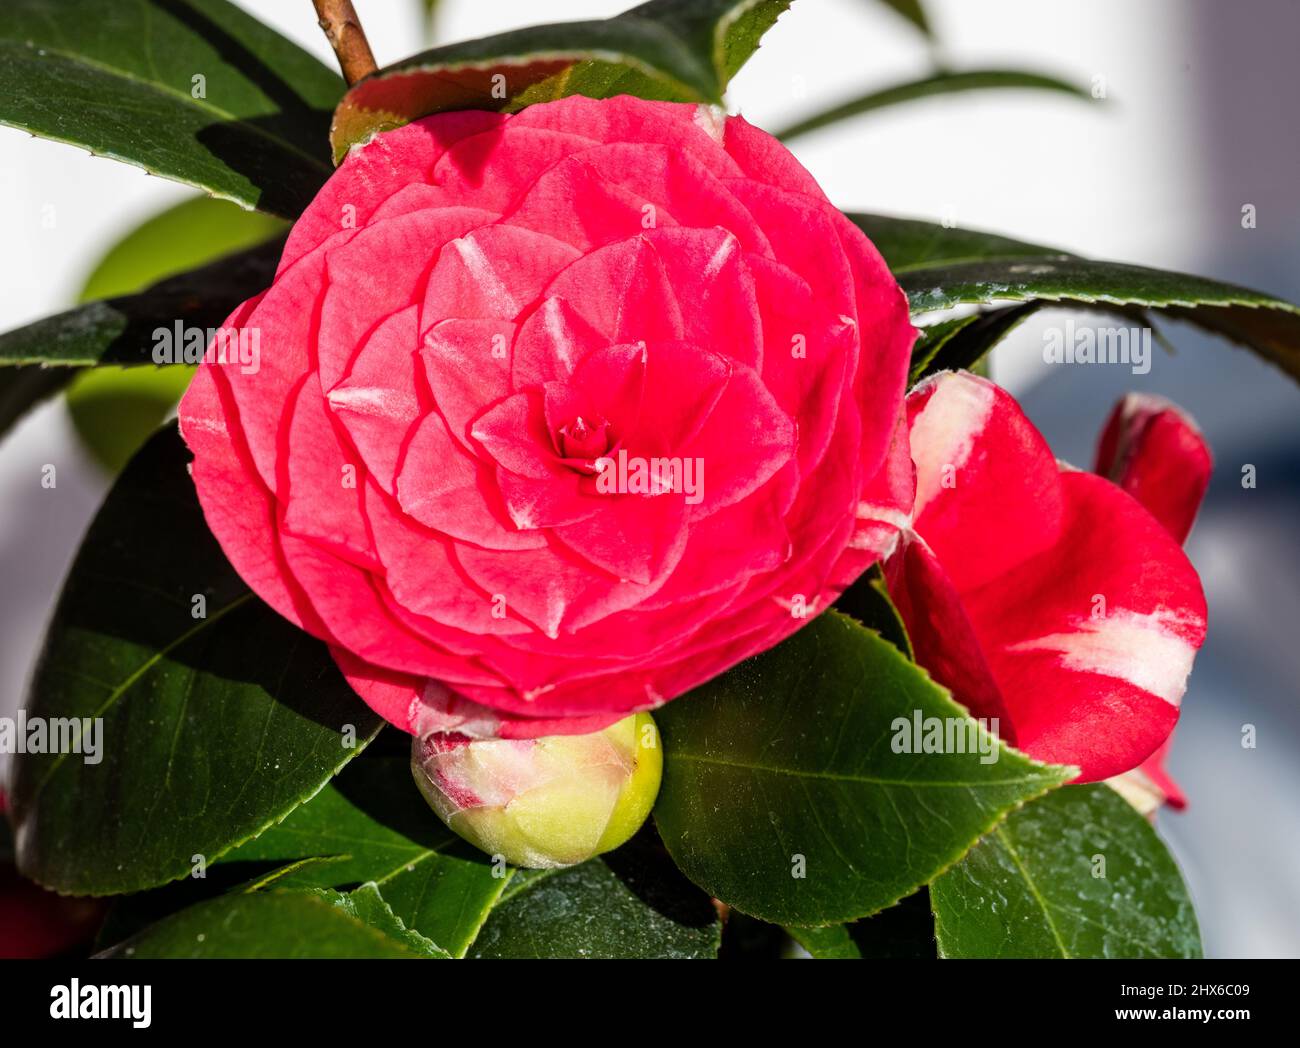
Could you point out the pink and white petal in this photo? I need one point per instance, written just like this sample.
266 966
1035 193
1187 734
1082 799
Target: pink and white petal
632 536
724 314
321 485
683 384
695 130
551 343
987 485
445 488
804 236
808 355
373 275
762 157
423 576
348 603
608 383
564 497
746 417
378 403
513 433
732 546
368 175
472 170
236 504
493 273
553 589
623 292
885 332
284 321
1156 453
1092 639
467 364
676 183
884 511
577 204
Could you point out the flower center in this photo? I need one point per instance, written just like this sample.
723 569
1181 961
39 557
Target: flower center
582 442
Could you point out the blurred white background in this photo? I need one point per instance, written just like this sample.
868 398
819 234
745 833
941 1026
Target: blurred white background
1199 121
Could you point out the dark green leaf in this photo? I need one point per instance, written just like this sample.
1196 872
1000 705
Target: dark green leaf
940 268
680 50
786 766
266 925
629 903
961 343
831 943
1078 873
929 87
868 601
367 905
902 932
121 330
374 820
119 80
213 728
913 243
131 914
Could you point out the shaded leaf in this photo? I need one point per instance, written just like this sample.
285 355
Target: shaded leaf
867 600
265 925
902 932
372 819
943 83
120 80
214 725
913 243
629 903
366 904
940 268
782 793
1078 873
679 50
962 342
129 915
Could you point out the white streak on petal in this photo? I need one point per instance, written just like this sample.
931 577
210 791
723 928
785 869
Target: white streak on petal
944 433
561 337
712 120
725 250
481 272
1150 651
371 400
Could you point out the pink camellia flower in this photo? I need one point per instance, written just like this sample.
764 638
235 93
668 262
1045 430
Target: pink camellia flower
1157 454
556 415
1046 597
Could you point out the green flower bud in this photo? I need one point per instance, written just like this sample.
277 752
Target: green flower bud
553 801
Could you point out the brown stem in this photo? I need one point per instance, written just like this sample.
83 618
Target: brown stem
343 30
